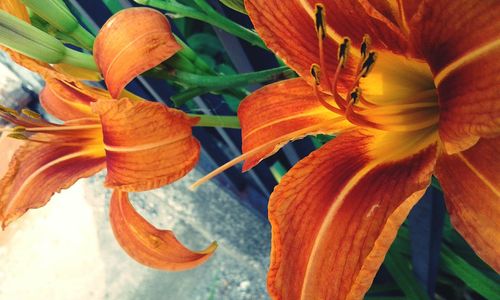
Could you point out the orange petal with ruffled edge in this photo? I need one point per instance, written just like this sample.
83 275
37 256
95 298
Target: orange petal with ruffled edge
148 245
465 65
8 147
130 43
66 100
37 171
285 109
471 185
147 144
335 214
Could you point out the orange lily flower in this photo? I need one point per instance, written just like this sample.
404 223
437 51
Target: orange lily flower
411 89
143 145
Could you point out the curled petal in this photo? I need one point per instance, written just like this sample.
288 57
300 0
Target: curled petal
465 65
287 109
471 187
335 214
130 43
37 171
147 144
148 245
67 100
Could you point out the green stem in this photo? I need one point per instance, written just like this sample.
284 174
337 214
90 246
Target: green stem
184 96
217 121
223 81
212 17
79 59
57 14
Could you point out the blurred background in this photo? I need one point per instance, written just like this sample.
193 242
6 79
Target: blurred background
66 250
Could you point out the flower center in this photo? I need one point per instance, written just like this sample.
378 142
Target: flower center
387 92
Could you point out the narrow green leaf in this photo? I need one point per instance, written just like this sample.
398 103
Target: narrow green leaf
475 279
401 273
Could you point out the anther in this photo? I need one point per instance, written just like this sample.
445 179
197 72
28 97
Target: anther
30 113
9 111
315 72
17 136
19 129
354 95
365 45
344 51
368 64
320 20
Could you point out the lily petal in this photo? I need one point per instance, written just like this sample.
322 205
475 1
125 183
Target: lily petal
147 144
285 109
130 43
148 245
37 171
67 100
15 8
465 65
8 147
471 186
288 29
335 214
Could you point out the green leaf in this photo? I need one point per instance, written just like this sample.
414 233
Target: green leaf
235 4
475 279
399 268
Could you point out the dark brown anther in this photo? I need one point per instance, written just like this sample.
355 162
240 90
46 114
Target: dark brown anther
368 64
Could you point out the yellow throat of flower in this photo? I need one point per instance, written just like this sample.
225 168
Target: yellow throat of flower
388 92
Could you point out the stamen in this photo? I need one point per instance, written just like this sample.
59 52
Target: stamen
365 46
17 136
272 143
354 95
316 72
343 51
30 113
320 20
9 111
63 128
368 64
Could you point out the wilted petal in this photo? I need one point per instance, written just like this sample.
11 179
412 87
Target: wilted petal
147 144
148 245
461 42
37 171
335 214
471 184
284 109
131 42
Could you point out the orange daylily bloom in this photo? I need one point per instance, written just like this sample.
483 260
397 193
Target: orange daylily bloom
143 145
411 89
